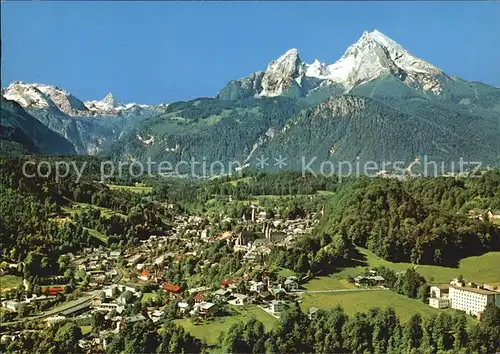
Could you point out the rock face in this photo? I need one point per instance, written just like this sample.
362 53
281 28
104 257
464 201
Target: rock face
339 106
242 88
281 74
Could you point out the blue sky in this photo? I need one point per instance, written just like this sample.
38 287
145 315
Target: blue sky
152 52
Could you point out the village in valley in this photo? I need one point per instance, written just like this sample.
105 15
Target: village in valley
112 282
177 277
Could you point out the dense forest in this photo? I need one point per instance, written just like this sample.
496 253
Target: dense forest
423 221
376 331
324 331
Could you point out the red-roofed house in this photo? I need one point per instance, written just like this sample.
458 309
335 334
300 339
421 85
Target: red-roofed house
199 297
52 291
144 276
172 289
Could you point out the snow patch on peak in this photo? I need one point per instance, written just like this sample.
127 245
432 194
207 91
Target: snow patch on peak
383 40
291 52
316 69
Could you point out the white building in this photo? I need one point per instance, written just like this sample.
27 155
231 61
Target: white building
291 284
439 302
276 306
11 305
107 306
257 286
471 300
239 299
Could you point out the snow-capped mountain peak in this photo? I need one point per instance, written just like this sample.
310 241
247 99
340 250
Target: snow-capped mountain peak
41 96
110 100
373 55
110 105
37 96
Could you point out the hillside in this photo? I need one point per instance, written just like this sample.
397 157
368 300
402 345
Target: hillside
22 133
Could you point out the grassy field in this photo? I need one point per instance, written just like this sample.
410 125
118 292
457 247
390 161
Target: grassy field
78 207
284 272
146 296
138 188
481 269
97 235
104 211
9 281
85 329
210 330
495 221
361 301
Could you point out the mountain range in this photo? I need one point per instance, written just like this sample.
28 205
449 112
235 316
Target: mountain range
377 102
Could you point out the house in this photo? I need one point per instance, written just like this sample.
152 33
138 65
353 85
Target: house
114 254
291 284
438 297
199 297
144 276
107 306
134 260
172 289
276 306
160 260
11 305
54 319
275 290
52 291
183 307
207 308
98 279
493 215
221 294
111 292
140 266
130 287
266 295
368 280
123 299
438 291
262 215
156 315
227 283
34 299
257 286
200 289
239 299
439 302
